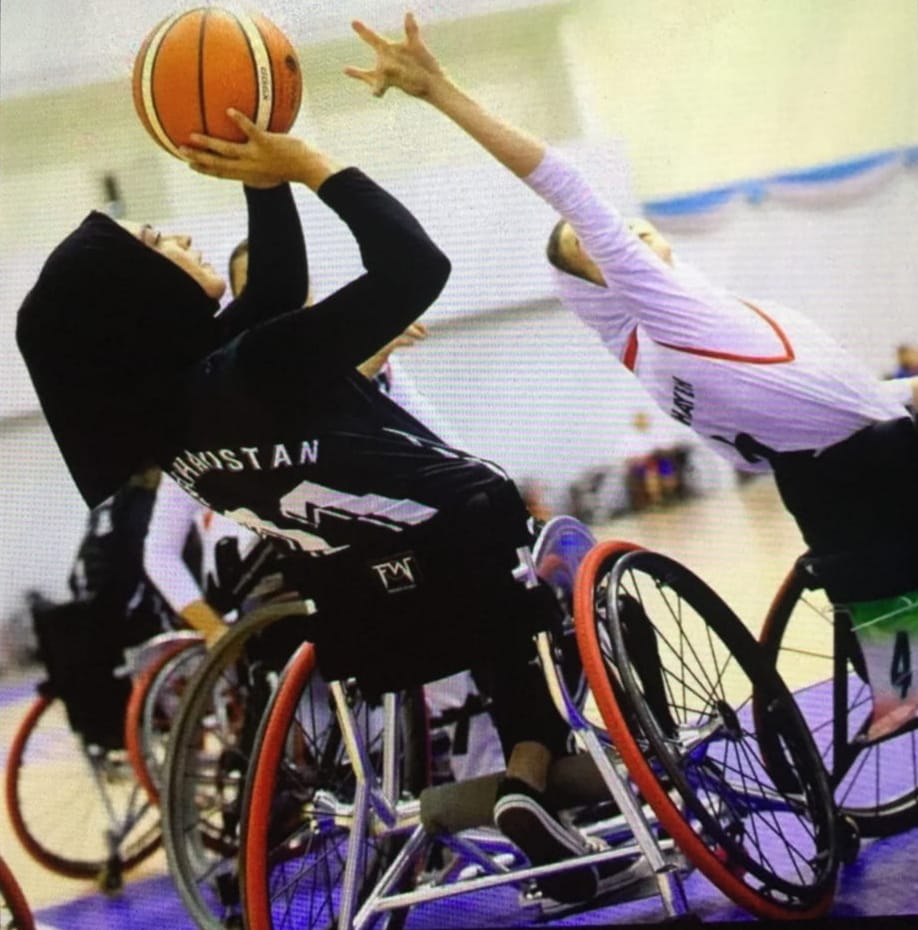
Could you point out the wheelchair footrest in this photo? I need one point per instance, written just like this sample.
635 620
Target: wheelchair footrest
572 781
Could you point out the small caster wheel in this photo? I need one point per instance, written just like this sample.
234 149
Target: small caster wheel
849 840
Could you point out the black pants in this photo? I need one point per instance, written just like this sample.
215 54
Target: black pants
856 504
444 602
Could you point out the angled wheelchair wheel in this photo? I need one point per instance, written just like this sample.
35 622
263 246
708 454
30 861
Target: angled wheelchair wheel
153 706
557 554
814 649
14 909
208 753
300 819
77 809
674 673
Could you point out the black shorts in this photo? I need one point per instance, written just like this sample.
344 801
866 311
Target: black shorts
444 602
856 504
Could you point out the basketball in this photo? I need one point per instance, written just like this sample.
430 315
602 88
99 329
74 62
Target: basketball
197 63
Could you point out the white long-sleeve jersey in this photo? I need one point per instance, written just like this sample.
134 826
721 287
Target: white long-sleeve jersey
175 513
716 362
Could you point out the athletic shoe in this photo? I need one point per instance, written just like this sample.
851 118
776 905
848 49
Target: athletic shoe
521 814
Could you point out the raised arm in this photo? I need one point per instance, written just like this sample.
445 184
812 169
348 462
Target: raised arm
405 271
278 277
615 254
410 66
278 273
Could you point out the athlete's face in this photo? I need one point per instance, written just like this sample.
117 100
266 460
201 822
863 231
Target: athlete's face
177 248
652 238
575 257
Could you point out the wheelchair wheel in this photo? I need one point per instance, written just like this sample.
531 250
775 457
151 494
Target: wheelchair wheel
77 809
14 910
815 651
152 708
207 757
558 551
674 672
295 841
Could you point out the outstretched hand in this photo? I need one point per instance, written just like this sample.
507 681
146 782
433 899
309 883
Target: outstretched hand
414 334
408 65
264 159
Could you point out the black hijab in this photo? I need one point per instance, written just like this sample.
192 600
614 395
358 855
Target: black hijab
105 329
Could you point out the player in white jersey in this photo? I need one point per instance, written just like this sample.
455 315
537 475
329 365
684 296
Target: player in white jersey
175 515
759 383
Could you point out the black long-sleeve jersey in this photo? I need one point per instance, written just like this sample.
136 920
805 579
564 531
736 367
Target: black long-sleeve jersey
278 431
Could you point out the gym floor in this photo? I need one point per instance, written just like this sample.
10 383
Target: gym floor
742 544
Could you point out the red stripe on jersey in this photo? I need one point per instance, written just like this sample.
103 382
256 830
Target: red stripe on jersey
629 359
786 356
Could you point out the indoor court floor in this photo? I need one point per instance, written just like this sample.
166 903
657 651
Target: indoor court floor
742 544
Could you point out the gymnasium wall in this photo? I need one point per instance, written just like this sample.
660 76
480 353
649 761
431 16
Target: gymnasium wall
655 99
710 92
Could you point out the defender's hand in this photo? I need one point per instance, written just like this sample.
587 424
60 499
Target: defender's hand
408 65
415 333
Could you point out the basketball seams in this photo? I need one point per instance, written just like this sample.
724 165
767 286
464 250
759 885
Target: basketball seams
196 62
146 84
261 63
272 98
202 108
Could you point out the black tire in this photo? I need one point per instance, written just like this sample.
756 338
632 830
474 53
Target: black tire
557 554
682 672
294 852
812 646
207 757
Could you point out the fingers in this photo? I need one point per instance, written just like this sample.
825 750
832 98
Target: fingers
243 122
412 30
374 79
367 75
416 332
222 146
202 145
373 39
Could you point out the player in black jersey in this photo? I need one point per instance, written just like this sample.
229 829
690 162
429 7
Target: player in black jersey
260 414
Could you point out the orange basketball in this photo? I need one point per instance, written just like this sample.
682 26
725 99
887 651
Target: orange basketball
195 64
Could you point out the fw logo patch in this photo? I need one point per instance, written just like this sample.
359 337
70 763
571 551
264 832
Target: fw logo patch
400 573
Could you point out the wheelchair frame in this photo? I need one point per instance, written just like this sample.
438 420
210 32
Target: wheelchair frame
377 811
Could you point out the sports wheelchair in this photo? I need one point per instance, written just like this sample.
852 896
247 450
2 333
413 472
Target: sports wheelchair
73 799
670 704
812 645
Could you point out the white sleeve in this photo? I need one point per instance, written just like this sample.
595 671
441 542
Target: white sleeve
641 287
404 392
172 519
